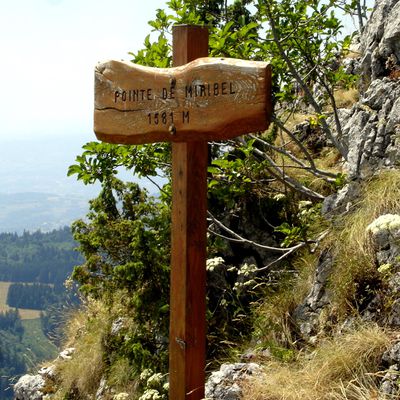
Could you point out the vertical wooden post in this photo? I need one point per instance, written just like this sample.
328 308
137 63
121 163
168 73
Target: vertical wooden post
188 259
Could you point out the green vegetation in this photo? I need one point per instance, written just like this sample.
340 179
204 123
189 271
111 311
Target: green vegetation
37 257
35 296
35 304
22 346
37 346
126 251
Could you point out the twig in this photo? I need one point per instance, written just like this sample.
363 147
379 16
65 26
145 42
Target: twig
240 239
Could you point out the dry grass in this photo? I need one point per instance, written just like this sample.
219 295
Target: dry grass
274 324
337 366
86 331
295 119
346 98
343 368
350 242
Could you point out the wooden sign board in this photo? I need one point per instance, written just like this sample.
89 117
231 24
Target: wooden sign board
199 100
206 99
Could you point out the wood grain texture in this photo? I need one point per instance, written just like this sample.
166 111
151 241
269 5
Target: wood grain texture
206 99
188 259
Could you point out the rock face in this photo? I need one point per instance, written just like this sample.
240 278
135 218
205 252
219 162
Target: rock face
380 42
371 137
224 384
29 387
308 313
371 129
390 384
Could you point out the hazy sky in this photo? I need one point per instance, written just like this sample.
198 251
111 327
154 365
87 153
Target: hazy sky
49 49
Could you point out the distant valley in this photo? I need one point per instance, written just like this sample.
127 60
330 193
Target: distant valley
21 212
35 192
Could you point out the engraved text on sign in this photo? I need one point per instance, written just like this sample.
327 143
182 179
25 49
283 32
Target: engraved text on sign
207 99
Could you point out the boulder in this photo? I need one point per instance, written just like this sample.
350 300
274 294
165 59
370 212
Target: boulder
307 314
390 384
371 133
225 383
381 39
29 387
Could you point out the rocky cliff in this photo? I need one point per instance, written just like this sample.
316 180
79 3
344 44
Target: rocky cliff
371 135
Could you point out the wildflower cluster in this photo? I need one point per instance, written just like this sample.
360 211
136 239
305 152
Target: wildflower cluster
155 385
386 222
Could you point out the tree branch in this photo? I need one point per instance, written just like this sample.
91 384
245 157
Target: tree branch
240 239
278 173
302 83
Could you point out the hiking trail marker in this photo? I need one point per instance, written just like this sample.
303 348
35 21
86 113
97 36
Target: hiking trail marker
197 100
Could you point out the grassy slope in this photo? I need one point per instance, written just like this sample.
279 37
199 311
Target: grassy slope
38 347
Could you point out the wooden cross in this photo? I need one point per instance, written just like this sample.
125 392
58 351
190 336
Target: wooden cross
197 100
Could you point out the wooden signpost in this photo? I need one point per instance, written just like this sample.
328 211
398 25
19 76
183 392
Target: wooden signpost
197 100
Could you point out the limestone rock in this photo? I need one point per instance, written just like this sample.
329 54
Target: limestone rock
307 314
103 389
48 372
224 384
66 354
29 387
118 325
372 132
371 129
341 201
390 384
392 355
381 39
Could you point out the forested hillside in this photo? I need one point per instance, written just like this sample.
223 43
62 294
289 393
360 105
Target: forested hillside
35 265
13 353
37 256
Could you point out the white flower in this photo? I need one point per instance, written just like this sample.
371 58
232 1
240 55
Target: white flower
279 197
211 263
386 222
151 394
154 380
146 374
121 396
304 204
247 269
